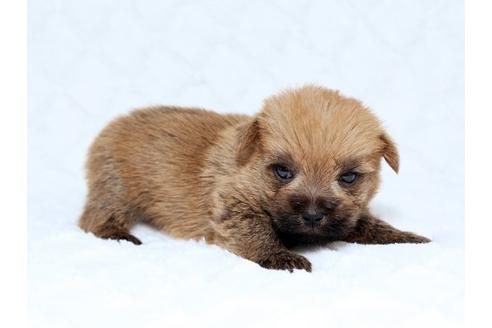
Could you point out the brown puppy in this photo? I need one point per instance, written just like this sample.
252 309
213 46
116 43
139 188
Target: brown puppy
302 171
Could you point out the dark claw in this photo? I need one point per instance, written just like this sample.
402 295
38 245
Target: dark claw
127 237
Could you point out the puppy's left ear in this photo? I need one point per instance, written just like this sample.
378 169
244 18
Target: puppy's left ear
248 141
390 152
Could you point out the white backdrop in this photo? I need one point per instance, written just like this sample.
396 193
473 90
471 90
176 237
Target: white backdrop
92 60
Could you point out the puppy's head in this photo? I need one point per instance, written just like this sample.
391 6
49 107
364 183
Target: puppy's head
314 158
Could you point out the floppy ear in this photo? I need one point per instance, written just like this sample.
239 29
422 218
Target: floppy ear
248 141
390 152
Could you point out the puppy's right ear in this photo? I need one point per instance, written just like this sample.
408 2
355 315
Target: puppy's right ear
390 152
248 141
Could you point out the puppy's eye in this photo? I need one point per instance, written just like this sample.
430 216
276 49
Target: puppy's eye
283 172
348 178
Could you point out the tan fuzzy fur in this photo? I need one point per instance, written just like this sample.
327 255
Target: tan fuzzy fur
196 174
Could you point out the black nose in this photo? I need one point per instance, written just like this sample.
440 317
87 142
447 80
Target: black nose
312 218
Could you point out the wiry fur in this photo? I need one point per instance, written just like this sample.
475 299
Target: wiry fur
196 174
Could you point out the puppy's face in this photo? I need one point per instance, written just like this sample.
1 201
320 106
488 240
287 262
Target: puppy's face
315 157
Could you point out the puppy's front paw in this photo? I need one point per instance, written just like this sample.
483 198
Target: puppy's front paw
410 237
285 260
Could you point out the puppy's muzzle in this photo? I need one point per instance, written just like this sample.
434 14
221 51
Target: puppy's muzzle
312 218
312 210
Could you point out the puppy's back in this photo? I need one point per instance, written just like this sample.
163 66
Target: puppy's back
148 164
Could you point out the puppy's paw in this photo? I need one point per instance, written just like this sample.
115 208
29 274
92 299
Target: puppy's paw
286 260
124 236
410 237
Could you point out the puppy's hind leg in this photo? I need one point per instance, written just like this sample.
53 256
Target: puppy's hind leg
107 213
108 222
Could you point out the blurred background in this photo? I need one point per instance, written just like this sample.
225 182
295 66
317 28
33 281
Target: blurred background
92 60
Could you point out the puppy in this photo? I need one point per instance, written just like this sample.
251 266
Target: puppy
302 171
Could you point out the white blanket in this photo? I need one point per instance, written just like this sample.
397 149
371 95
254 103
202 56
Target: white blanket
92 60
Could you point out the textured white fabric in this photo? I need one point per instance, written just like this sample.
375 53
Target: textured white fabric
92 60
